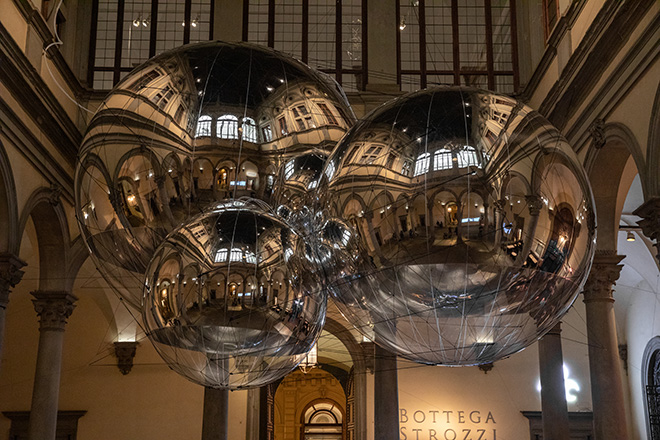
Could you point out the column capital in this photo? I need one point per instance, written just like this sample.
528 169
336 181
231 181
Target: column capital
10 275
534 204
53 308
499 205
649 211
604 273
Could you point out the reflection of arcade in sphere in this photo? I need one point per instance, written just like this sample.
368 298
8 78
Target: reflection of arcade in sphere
471 219
197 125
231 300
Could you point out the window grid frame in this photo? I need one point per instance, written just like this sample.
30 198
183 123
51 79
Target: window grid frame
118 71
338 71
423 71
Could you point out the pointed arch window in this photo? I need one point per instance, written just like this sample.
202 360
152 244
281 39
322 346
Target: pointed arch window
203 126
227 127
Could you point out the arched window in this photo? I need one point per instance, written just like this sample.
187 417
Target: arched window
227 127
289 169
249 130
442 160
651 383
323 420
203 126
422 164
467 157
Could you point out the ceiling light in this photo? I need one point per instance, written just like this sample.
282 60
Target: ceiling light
402 25
630 236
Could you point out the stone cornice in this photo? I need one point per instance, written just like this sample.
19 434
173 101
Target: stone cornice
34 150
53 308
564 24
605 37
25 83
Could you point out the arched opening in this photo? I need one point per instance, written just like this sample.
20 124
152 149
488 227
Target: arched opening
323 420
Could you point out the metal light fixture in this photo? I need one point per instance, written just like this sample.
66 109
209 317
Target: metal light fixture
630 236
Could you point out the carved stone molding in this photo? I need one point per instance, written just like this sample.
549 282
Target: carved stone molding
53 308
604 273
597 132
499 205
650 223
10 275
55 194
534 204
125 352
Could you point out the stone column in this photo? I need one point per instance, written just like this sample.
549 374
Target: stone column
53 309
534 204
215 423
10 276
604 364
253 416
650 223
553 392
386 396
499 214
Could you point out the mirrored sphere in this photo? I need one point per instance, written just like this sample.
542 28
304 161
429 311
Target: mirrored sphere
232 299
459 226
191 127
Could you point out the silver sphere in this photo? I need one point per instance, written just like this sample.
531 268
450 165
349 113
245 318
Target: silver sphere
232 299
468 226
197 125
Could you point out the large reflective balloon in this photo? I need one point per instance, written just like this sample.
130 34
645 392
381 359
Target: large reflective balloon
460 225
231 298
191 127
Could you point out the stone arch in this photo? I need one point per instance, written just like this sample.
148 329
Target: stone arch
45 209
652 150
353 197
9 225
607 172
144 152
78 254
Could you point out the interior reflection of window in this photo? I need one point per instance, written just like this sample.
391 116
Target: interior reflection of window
227 127
267 132
328 114
330 169
422 164
442 160
288 169
250 257
236 255
371 155
204 126
405 168
249 130
221 256
302 117
467 157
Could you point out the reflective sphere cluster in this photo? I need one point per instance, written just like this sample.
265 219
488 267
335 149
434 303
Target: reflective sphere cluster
231 301
189 129
223 188
460 225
